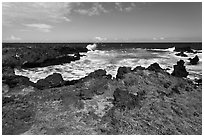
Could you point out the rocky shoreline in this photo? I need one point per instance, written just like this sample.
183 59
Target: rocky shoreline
138 101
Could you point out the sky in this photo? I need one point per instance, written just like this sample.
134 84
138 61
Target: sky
102 22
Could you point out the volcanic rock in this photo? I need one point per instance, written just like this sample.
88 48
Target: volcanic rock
97 73
182 54
18 81
50 81
180 70
121 71
7 72
194 61
184 49
155 67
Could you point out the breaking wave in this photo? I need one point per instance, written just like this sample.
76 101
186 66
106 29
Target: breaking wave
111 60
91 47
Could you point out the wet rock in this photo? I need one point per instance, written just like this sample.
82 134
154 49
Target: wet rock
18 81
181 54
194 61
121 71
54 80
155 67
123 99
180 70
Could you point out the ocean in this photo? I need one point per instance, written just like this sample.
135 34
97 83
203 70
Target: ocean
111 56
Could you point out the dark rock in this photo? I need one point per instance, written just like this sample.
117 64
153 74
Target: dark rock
97 73
7 72
155 67
123 99
54 80
40 56
18 81
138 68
121 71
181 54
184 49
194 61
180 70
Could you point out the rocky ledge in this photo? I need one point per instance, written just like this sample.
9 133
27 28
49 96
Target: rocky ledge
138 101
30 57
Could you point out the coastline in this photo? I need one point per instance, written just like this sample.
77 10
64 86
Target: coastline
101 104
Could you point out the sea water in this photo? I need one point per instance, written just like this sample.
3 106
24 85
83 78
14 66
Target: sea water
111 59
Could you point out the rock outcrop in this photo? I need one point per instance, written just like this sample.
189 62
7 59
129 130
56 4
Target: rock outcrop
155 67
34 56
194 61
182 54
121 71
180 69
184 49
54 80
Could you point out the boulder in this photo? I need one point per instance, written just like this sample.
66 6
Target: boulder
180 70
121 71
97 73
155 67
54 80
194 61
182 54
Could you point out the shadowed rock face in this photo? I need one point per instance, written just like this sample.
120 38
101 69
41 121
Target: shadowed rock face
154 67
121 71
180 69
194 61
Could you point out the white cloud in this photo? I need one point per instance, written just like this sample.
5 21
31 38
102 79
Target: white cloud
26 12
162 38
14 38
40 27
96 9
66 19
128 9
100 38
